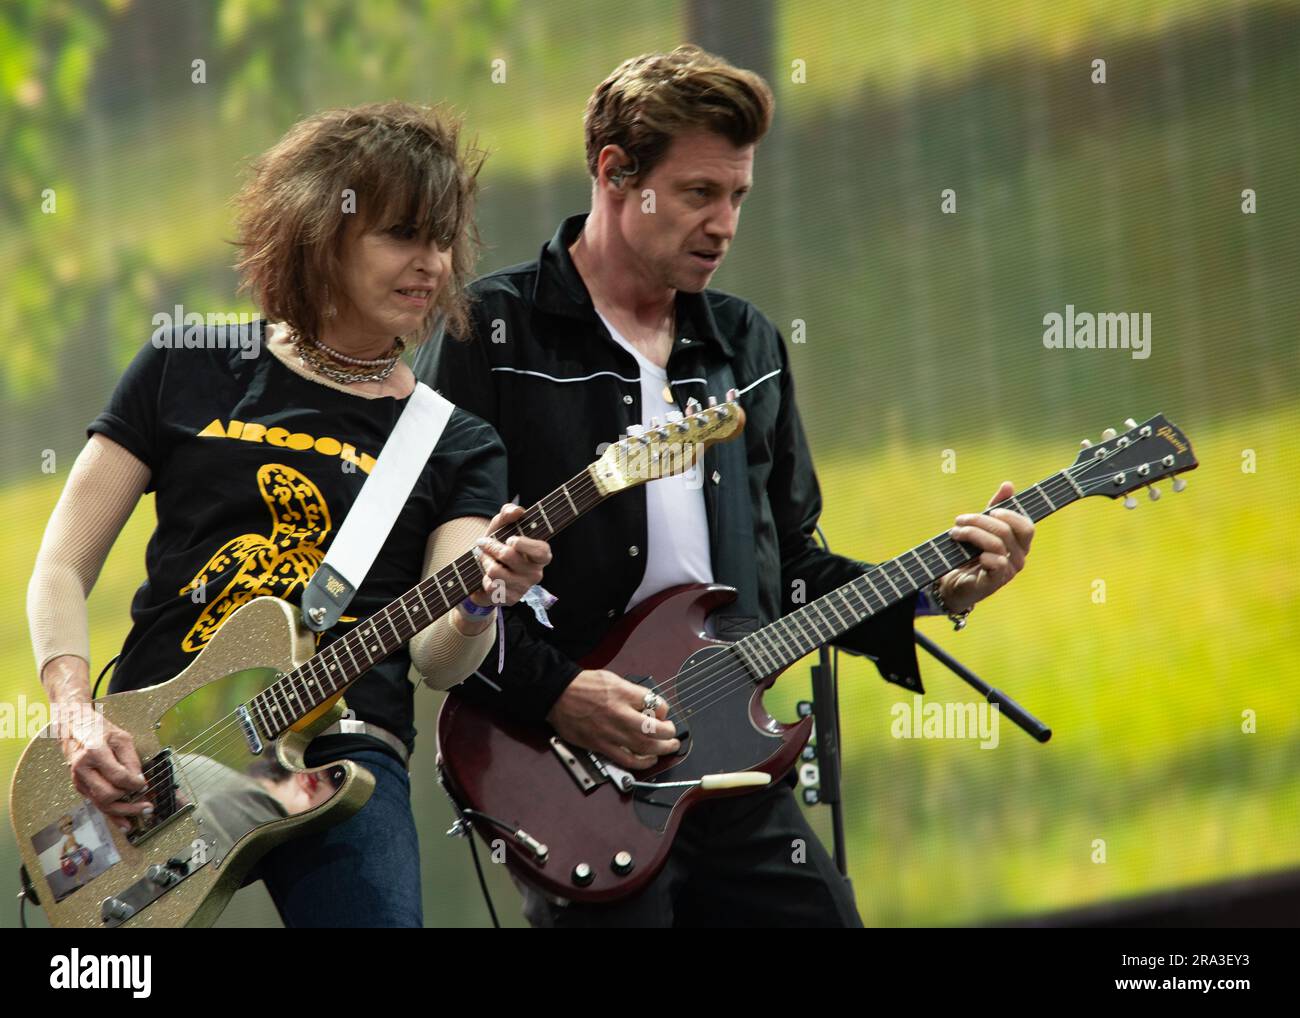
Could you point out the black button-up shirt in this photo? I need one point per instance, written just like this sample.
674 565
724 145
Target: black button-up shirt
541 368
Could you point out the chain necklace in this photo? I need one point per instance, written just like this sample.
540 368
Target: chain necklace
317 354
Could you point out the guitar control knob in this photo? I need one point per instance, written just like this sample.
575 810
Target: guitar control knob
811 796
621 863
115 909
583 874
809 752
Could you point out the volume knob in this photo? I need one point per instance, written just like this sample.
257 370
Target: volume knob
583 874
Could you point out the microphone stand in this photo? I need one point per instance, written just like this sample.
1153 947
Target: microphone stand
825 788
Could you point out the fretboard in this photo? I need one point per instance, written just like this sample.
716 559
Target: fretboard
335 667
785 641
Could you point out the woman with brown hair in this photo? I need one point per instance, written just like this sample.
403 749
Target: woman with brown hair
357 239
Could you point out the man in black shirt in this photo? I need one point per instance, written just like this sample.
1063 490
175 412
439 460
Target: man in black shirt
612 326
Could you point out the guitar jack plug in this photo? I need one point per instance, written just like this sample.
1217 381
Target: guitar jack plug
461 828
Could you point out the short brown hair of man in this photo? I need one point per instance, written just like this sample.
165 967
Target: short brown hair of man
385 165
651 99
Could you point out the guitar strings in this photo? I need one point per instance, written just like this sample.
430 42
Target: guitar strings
707 682
711 683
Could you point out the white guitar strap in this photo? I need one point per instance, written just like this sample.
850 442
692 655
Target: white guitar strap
371 518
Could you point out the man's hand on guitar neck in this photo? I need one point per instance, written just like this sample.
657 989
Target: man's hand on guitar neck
604 713
1003 538
101 757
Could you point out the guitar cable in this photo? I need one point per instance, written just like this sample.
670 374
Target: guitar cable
94 693
482 879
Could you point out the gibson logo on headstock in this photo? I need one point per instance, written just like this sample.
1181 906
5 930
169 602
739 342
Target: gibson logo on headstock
1167 433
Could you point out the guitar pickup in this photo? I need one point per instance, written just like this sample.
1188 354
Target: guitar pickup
573 764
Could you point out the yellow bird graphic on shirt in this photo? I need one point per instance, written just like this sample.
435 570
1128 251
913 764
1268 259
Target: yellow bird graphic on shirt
277 564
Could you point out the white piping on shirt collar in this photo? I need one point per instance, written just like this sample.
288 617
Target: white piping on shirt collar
746 389
582 378
630 381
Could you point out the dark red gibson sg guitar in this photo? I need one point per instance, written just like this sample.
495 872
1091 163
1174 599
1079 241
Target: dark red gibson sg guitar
583 829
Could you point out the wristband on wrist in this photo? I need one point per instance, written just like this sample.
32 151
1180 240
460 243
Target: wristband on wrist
477 611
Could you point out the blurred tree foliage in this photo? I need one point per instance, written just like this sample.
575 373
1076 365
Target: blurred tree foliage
47 52
71 69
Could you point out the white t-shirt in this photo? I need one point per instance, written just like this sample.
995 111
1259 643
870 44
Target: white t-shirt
677 525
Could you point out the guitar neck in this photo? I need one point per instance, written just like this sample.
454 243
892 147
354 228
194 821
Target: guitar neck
331 670
791 637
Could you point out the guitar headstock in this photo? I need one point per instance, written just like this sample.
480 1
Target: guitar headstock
670 448
1142 455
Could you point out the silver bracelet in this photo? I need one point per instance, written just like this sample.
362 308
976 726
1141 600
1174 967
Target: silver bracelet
958 619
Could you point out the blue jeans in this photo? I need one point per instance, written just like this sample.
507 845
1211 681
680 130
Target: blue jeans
362 872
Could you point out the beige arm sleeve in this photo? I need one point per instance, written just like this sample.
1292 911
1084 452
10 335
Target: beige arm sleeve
440 653
103 487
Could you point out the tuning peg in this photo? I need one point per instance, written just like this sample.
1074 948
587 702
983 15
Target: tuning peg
1086 443
1130 423
693 406
713 401
1108 434
1153 492
1179 484
635 431
732 394
1130 503
654 422
673 416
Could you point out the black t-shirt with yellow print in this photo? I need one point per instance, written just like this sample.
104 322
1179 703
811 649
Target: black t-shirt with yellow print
255 467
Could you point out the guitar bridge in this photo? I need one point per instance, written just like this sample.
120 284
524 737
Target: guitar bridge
167 805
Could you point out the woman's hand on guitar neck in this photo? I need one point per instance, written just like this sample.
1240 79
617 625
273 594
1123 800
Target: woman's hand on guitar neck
101 756
605 713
